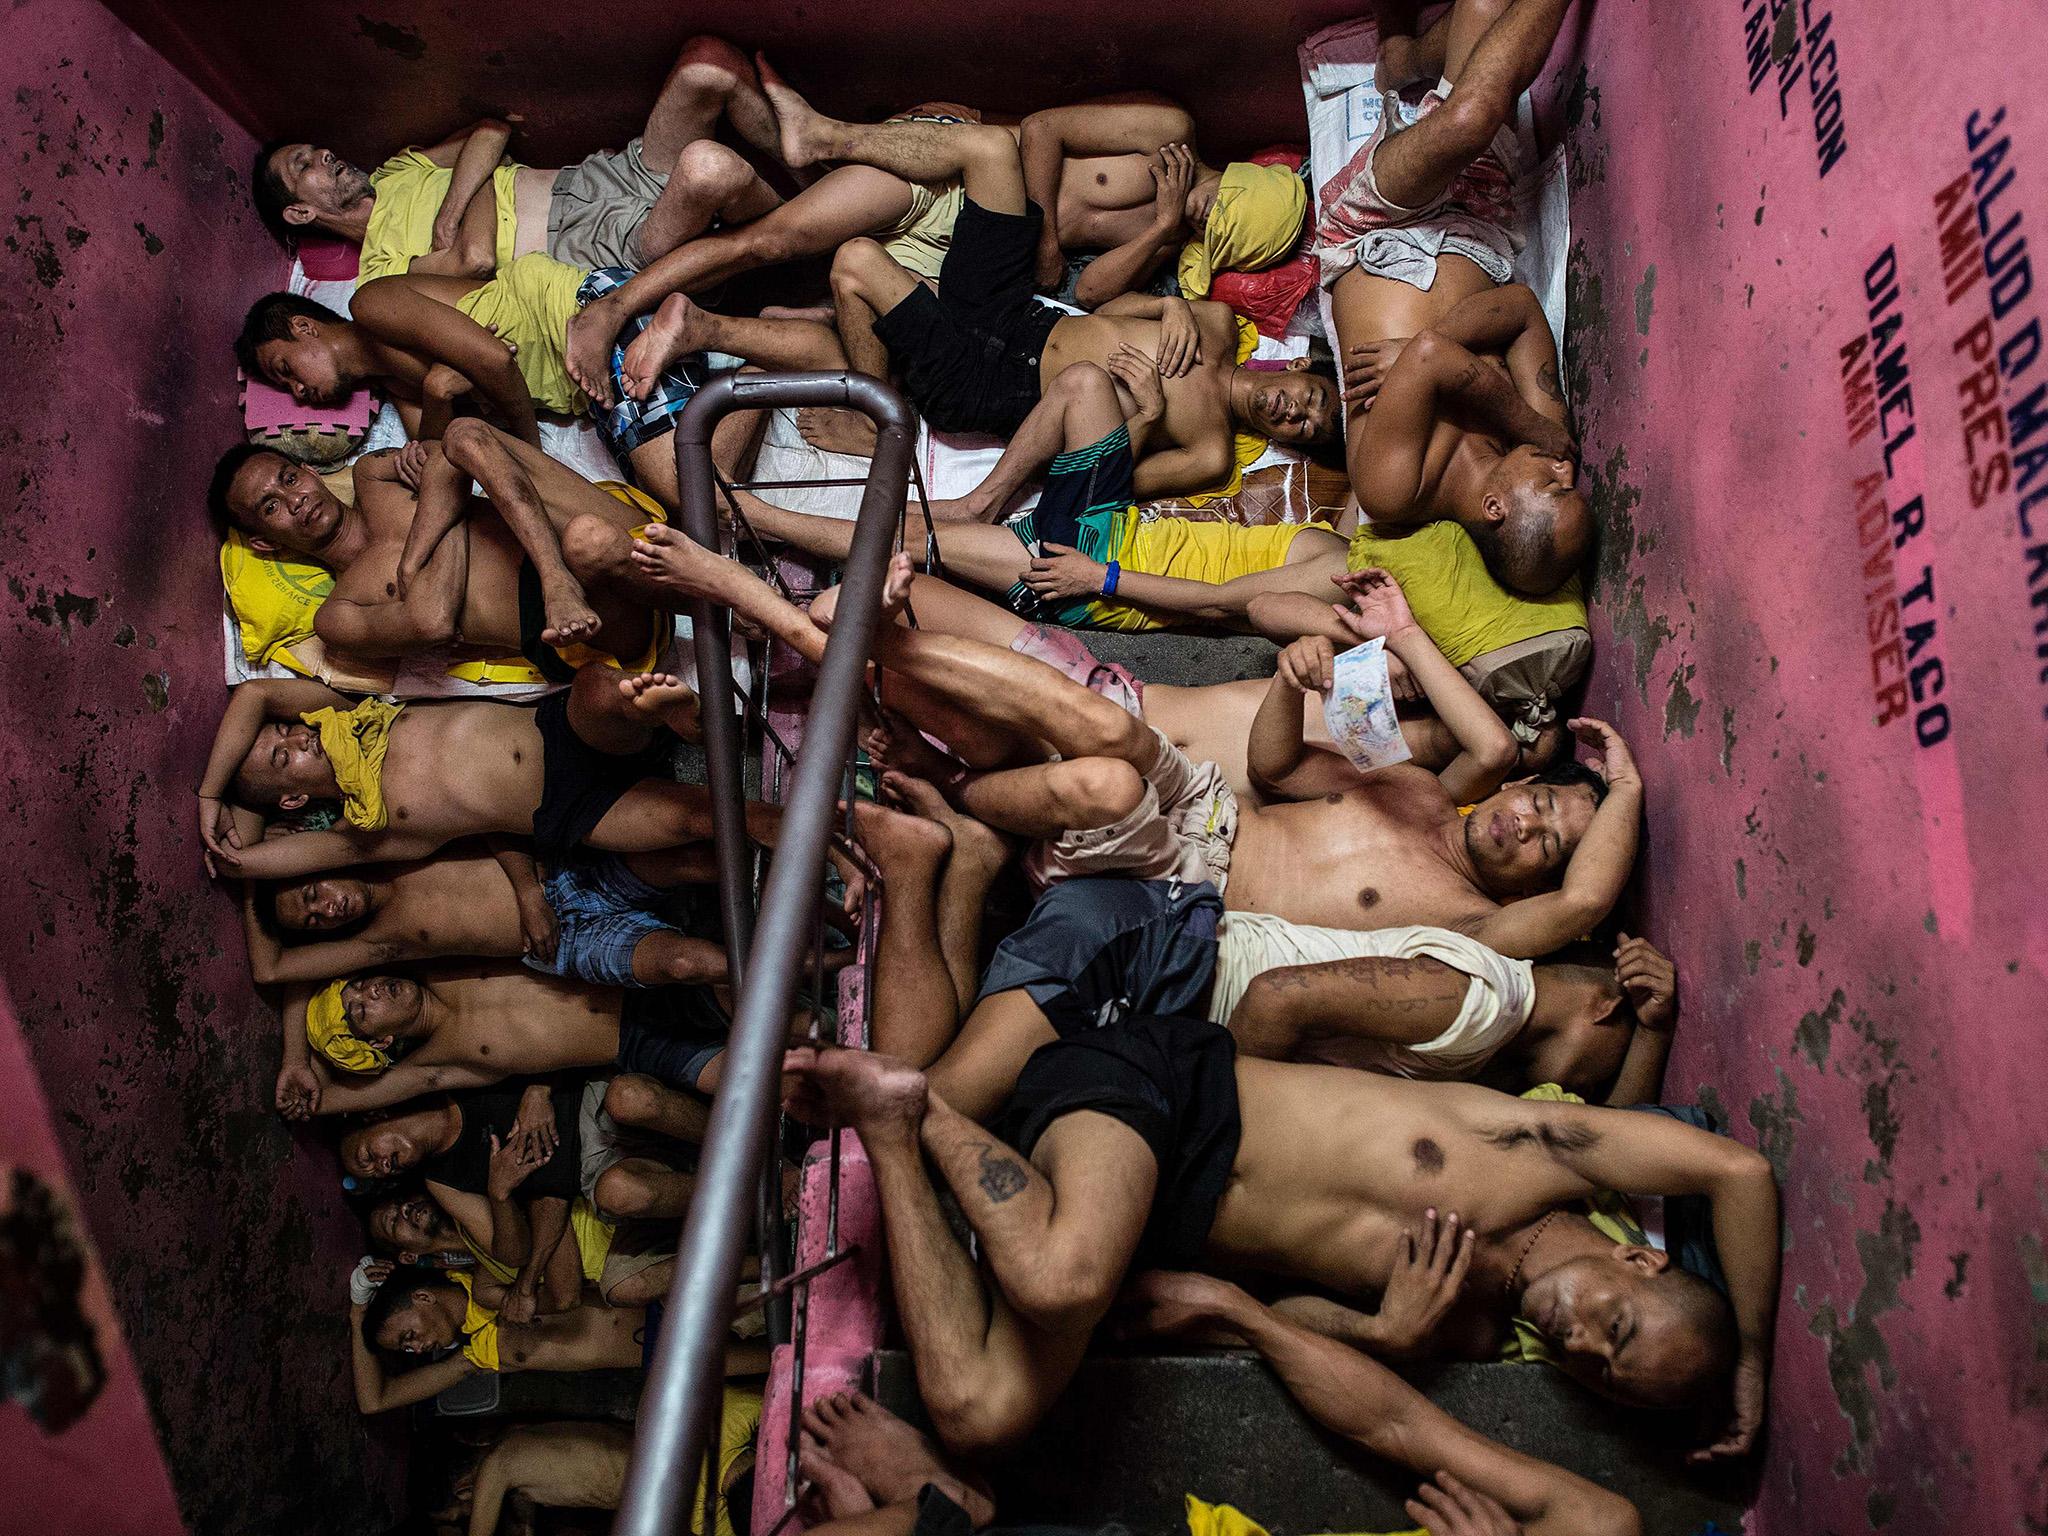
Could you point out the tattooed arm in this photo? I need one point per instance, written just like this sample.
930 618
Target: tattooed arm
1508 322
1293 1008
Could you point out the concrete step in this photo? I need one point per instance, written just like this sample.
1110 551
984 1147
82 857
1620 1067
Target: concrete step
1135 1434
1186 659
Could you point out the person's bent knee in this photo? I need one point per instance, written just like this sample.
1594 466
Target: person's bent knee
590 544
978 1421
856 261
1095 791
707 52
1085 383
707 167
1099 727
466 440
1471 119
632 1098
619 1192
983 145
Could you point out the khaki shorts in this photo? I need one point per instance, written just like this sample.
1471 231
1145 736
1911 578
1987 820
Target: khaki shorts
920 239
1181 830
598 206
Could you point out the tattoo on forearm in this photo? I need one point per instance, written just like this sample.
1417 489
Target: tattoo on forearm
1565 1136
1001 1176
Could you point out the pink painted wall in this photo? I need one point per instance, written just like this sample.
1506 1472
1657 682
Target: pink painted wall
1848 822
123 271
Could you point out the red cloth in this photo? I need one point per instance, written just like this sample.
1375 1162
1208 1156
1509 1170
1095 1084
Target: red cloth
1269 298
328 260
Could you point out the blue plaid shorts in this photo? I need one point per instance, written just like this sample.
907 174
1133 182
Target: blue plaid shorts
602 909
627 424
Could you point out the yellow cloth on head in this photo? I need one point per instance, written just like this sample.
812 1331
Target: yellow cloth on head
1612 1217
1454 596
479 1326
328 1033
354 741
1177 546
274 601
410 189
1254 222
1226 1520
529 304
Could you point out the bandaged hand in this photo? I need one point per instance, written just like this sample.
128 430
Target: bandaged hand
370 1273
1064 573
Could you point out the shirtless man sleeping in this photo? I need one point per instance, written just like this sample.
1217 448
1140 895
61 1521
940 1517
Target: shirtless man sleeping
1149 1144
979 350
460 209
1421 222
1531 868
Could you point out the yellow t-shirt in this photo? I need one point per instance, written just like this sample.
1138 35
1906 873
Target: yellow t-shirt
593 1235
479 1326
410 189
1454 596
1227 1520
529 304
1193 551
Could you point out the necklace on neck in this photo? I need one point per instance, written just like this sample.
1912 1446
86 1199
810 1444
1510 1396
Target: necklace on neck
1535 1232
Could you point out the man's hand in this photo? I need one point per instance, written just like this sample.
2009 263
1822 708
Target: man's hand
363 1281
1064 573
410 463
534 1126
519 1306
1650 980
1750 1389
1379 607
447 226
1308 665
444 385
1428 1273
1173 177
217 832
1614 763
539 929
1164 1302
1365 369
1051 270
1447 1507
1138 373
511 1161
1180 339
298 1091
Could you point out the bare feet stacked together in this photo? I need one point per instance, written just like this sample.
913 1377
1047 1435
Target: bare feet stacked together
858 1456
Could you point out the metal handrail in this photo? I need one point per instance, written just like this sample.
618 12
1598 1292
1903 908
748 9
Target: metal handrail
681 1403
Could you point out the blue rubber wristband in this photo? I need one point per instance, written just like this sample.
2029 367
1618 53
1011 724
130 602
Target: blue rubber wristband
1109 579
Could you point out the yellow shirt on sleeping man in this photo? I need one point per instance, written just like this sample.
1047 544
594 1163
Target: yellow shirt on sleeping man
1087 504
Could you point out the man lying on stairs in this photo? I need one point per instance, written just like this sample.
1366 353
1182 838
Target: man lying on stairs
1466 421
1147 1143
1535 866
977 353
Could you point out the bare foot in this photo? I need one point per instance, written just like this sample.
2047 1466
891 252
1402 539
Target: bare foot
678 328
892 1460
837 431
665 698
972 839
898 746
838 1490
898 841
801 130
876 1095
897 582
570 618
587 351
670 559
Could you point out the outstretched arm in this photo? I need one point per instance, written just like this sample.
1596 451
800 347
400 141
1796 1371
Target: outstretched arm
1049 138
377 1392
399 312
1534 926
401 1081
1354 1396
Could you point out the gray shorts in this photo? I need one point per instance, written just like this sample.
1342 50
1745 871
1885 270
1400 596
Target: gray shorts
598 205
606 1143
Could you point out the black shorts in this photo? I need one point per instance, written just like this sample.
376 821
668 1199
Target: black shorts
1098 950
970 351
579 784
1174 1082
671 1033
